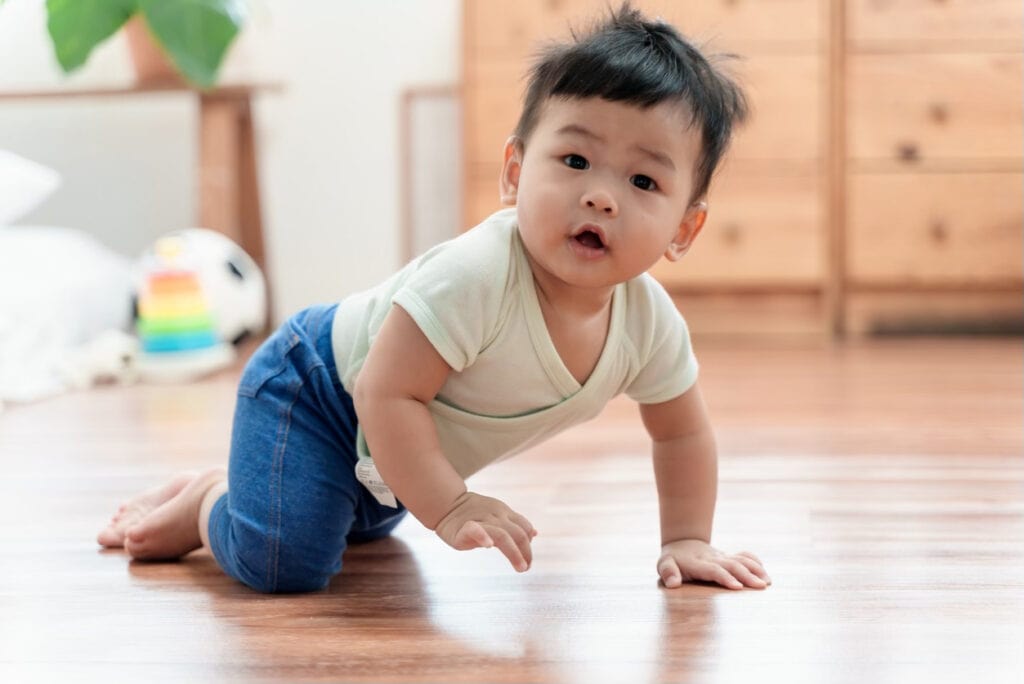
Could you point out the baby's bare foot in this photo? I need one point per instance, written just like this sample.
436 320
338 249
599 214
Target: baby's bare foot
138 507
172 529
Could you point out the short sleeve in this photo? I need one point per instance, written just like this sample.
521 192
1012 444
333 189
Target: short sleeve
455 294
667 364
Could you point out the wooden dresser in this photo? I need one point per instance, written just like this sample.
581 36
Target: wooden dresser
931 170
877 185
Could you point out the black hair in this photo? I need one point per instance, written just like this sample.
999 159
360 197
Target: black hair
629 58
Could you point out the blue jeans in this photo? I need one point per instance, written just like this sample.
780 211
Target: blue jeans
293 502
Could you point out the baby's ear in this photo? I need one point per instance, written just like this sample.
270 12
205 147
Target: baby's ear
509 182
689 229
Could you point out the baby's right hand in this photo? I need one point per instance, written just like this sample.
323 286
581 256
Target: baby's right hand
476 521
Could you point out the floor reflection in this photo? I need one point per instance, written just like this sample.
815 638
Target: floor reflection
377 619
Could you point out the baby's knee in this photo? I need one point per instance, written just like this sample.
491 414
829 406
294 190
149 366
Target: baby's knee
289 585
284 583
288 560
290 569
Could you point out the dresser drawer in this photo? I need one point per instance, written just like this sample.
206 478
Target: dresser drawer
763 230
786 96
935 229
946 25
914 109
514 29
784 92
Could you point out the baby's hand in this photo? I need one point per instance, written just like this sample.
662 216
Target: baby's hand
477 521
692 559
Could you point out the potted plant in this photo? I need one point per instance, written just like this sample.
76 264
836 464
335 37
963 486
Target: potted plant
193 34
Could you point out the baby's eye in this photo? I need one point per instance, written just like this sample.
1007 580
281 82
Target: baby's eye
643 182
575 161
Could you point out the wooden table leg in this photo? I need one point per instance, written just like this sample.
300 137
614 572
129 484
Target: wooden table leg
229 197
249 212
218 165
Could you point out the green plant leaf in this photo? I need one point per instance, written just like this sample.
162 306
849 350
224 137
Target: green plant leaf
195 33
78 26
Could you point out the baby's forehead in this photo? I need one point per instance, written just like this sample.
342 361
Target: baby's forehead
668 123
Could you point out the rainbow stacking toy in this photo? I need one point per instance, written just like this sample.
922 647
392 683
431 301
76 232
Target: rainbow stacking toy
176 327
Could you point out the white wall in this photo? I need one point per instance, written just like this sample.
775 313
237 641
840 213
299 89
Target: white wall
328 145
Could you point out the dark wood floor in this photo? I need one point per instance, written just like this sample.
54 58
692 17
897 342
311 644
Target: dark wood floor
882 483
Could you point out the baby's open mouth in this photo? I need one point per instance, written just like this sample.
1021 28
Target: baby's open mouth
589 238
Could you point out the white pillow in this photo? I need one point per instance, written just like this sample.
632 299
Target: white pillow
24 185
59 289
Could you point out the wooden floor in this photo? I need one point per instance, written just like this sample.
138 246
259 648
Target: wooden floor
882 483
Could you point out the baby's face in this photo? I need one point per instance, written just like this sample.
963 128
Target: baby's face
603 189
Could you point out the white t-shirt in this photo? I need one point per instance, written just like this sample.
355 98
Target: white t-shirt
474 299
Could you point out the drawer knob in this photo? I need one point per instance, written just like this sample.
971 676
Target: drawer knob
908 152
731 234
939 113
939 232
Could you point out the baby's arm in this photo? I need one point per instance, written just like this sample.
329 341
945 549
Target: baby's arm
402 374
686 471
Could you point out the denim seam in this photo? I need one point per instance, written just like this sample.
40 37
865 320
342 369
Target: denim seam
293 341
314 338
276 472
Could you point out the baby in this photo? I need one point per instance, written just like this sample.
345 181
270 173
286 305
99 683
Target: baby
352 414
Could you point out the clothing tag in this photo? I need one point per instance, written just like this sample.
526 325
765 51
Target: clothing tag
366 472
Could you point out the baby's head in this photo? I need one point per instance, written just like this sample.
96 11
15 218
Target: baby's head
620 134
631 59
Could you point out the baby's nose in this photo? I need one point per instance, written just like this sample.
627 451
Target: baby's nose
601 201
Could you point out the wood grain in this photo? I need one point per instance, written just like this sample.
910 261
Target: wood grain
939 229
924 109
937 25
880 481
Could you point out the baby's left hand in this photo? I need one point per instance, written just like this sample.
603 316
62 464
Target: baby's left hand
692 559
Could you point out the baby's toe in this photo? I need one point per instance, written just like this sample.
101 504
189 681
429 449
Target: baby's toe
134 545
135 534
141 547
111 537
